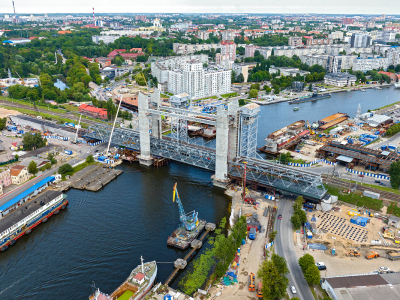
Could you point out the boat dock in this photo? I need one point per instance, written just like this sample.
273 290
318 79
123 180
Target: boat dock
180 263
98 178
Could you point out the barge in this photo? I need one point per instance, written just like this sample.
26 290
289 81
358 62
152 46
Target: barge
314 97
190 228
135 287
29 215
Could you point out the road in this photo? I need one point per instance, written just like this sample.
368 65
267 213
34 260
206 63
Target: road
284 247
8 196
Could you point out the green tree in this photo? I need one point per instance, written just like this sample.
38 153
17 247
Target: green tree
306 261
394 172
274 284
298 203
16 156
280 263
295 221
65 168
255 86
140 80
89 159
51 158
33 141
302 215
310 88
312 275
32 167
47 166
253 93
242 102
272 236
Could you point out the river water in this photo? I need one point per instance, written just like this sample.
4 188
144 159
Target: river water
101 236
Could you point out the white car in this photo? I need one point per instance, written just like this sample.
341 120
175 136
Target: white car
293 289
384 269
319 264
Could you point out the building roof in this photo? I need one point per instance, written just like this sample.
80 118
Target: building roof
378 119
345 158
355 281
16 170
394 218
38 161
340 75
27 192
386 292
100 111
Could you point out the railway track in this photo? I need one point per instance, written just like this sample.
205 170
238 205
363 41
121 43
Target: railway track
388 196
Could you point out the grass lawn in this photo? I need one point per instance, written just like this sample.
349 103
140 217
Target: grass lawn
71 107
378 187
393 209
387 105
27 103
164 96
212 97
355 198
229 95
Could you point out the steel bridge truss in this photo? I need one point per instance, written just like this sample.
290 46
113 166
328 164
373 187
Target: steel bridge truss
279 177
201 157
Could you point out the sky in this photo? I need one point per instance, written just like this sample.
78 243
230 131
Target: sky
202 6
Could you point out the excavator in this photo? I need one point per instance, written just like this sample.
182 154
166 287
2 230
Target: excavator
309 128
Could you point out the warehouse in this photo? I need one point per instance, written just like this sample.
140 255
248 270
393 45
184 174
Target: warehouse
377 120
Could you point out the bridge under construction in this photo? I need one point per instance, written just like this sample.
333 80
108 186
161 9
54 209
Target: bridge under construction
236 141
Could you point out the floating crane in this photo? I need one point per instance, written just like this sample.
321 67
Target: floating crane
309 128
189 220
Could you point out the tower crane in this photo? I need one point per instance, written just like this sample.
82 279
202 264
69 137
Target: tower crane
189 220
23 82
309 128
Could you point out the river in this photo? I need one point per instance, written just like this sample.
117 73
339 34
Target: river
101 236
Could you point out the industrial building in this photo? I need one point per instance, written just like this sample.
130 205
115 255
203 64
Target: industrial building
94 112
363 286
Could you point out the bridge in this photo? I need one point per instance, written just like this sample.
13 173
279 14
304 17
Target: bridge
236 143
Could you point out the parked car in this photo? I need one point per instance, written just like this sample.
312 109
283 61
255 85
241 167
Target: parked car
384 269
293 289
383 184
377 181
360 175
280 217
321 268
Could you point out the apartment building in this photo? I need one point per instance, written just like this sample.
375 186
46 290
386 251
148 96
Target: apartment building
386 36
336 63
203 35
319 42
107 39
295 41
370 63
336 35
311 60
250 49
185 49
19 174
228 50
360 40
228 35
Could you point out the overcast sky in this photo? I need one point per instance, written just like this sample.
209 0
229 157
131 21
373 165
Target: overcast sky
202 6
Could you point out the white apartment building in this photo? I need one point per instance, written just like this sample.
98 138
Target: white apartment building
370 63
107 39
192 78
336 35
295 41
340 79
250 49
203 35
228 35
228 49
184 49
386 36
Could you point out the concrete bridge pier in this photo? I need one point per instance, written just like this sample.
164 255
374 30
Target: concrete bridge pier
144 131
156 131
220 178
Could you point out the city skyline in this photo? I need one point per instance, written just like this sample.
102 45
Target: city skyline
189 6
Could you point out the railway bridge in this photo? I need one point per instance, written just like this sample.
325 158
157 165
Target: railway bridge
236 141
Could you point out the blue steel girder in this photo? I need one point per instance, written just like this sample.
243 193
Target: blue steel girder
280 177
190 154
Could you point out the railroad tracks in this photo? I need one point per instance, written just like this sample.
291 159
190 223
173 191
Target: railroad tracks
388 196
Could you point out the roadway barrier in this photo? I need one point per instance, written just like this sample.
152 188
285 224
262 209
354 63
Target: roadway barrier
312 163
368 174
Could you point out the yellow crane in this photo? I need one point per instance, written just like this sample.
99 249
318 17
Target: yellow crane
309 128
23 82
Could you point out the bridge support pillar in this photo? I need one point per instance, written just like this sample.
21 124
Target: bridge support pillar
155 118
221 159
144 131
233 111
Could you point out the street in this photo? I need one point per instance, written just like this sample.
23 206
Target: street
284 247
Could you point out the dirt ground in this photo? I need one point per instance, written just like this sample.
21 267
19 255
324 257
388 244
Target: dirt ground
252 253
5 112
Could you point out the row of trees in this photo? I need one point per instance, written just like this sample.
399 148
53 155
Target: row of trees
310 270
273 274
219 254
299 215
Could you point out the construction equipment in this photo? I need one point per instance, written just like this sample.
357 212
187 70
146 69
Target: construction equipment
309 128
371 255
353 253
23 82
259 290
189 220
251 282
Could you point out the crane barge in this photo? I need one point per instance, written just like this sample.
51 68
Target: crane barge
190 228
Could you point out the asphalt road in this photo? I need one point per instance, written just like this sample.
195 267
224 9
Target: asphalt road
8 196
285 248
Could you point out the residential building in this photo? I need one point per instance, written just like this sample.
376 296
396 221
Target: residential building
107 39
185 49
228 50
122 53
311 60
94 112
340 79
203 35
104 61
336 35
347 21
393 76
243 68
40 162
5 179
370 63
360 40
386 36
228 35
336 63
295 41
192 78
319 42
141 18
250 49
362 286
19 174
287 71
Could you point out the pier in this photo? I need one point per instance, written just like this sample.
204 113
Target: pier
180 263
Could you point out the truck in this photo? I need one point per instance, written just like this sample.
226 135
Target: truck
371 255
259 290
68 152
251 282
252 233
394 256
353 253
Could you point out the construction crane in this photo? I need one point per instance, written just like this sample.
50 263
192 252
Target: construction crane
309 128
189 220
23 82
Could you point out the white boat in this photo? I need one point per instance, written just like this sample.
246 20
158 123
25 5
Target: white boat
362 90
139 282
378 88
397 85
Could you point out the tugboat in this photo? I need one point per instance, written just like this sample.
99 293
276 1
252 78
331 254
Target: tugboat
189 230
139 282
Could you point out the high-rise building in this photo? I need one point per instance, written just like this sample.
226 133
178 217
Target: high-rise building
295 41
360 40
141 18
347 21
228 35
250 49
228 50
